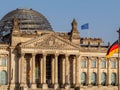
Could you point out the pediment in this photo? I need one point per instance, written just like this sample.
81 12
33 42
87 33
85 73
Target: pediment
49 41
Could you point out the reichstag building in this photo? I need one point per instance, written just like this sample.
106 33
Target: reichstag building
33 56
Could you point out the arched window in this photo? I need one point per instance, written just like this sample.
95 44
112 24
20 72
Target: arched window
83 78
3 61
83 63
103 79
93 78
113 79
103 64
3 78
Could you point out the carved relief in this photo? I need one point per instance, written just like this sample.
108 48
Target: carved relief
50 43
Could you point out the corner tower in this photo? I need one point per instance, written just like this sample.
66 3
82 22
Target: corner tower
75 38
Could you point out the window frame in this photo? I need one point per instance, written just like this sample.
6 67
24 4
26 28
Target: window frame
113 64
93 64
3 61
103 63
84 64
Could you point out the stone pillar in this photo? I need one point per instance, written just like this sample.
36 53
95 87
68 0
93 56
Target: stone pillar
63 70
108 72
56 71
52 64
12 68
8 69
41 70
77 83
98 71
117 66
67 81
20 68
30 72
88 72
44 86
33 72
74 70
23 72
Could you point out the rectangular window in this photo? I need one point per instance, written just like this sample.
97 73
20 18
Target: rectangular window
93 64
103 64
0 62
3 61
113 64
83 64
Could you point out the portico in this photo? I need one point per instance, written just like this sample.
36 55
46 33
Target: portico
47 70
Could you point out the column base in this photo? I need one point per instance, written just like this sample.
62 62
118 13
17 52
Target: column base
23 86
99 85
67 86
77 85
109 85
12 87
33 86
89 85
56 86
44 86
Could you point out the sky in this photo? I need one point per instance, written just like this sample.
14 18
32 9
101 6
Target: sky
103 16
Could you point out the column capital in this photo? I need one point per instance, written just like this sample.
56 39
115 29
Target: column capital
67 55
56 54
22 54
33 54
77 55
45 54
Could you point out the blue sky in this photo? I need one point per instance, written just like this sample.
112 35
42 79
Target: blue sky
103 16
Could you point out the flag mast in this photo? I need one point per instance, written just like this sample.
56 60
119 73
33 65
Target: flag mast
118 59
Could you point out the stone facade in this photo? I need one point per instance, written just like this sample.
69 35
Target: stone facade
54 60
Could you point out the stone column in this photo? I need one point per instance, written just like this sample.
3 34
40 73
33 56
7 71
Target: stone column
41 70
77 83
67 81
44 86
33 72
88 72
56 71
8 69
20 68
23 72
98 71
74 70
12 68
52 64
108 72
117 66
30 70
63 70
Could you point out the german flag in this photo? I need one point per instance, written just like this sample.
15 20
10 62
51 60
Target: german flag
113 49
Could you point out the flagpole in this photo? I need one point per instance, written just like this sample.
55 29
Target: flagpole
118 59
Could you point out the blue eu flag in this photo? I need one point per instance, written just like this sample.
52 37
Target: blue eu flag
85 26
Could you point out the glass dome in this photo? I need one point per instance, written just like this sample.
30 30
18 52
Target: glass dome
29 20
